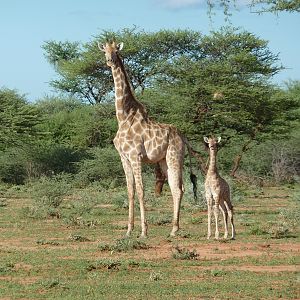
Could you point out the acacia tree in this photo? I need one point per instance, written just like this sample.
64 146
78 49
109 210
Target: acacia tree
82 70
225 90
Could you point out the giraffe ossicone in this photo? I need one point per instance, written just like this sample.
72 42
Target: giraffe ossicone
141 140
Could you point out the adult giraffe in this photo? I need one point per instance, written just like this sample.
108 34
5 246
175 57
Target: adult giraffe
140 140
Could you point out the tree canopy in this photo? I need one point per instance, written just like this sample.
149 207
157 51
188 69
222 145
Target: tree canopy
256 6
18 119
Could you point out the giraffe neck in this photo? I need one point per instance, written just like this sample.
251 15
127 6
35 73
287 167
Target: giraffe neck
212 168
125 101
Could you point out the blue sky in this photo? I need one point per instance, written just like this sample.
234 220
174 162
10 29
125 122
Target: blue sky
26 24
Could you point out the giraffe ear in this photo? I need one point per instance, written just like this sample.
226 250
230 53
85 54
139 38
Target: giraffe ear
101 47
219 139
205 139
120 46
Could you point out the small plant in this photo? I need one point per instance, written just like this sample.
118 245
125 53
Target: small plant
48 194
160 220
184 234
45 242
120 199
3 202
196 220
108 264
286 224
78 238
184 254
155 276
53 283
7 268
124 245
51 191
256 230
218 273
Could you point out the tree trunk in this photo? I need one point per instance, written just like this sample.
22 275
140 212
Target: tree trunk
238 158
201 162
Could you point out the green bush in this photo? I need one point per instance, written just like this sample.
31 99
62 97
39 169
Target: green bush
103 165
48 194
79 212
50 159
184 254
13 166
124 245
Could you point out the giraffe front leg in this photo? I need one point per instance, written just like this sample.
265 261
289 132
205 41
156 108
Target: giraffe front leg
216 213
130 190
209 201
209 213
137 171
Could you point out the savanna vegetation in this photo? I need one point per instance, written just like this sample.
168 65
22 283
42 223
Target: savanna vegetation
63 199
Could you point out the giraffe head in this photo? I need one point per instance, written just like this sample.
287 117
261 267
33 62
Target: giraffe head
212 143
110 50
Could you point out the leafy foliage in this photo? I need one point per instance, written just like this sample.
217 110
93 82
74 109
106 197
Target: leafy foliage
86 74
217 84
103 165
18 119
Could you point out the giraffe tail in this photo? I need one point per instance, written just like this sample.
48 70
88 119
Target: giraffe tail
193 177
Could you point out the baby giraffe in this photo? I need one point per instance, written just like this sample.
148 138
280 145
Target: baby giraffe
217 192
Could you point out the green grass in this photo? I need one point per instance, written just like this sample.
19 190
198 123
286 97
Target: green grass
67 258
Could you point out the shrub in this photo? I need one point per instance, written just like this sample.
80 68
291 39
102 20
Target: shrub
155 276
13 166
103 165
49 159
78 212
48 194
124 245
78 238
185 254
286 224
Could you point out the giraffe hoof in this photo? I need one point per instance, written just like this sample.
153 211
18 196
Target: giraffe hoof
143 236
174 231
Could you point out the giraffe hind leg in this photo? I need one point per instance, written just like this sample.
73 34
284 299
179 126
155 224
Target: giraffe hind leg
137 172
176 186
230 215
225 217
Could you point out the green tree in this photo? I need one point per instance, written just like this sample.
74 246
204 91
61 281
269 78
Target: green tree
18 119
75 124
257 6
225 89
83 72
276 6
